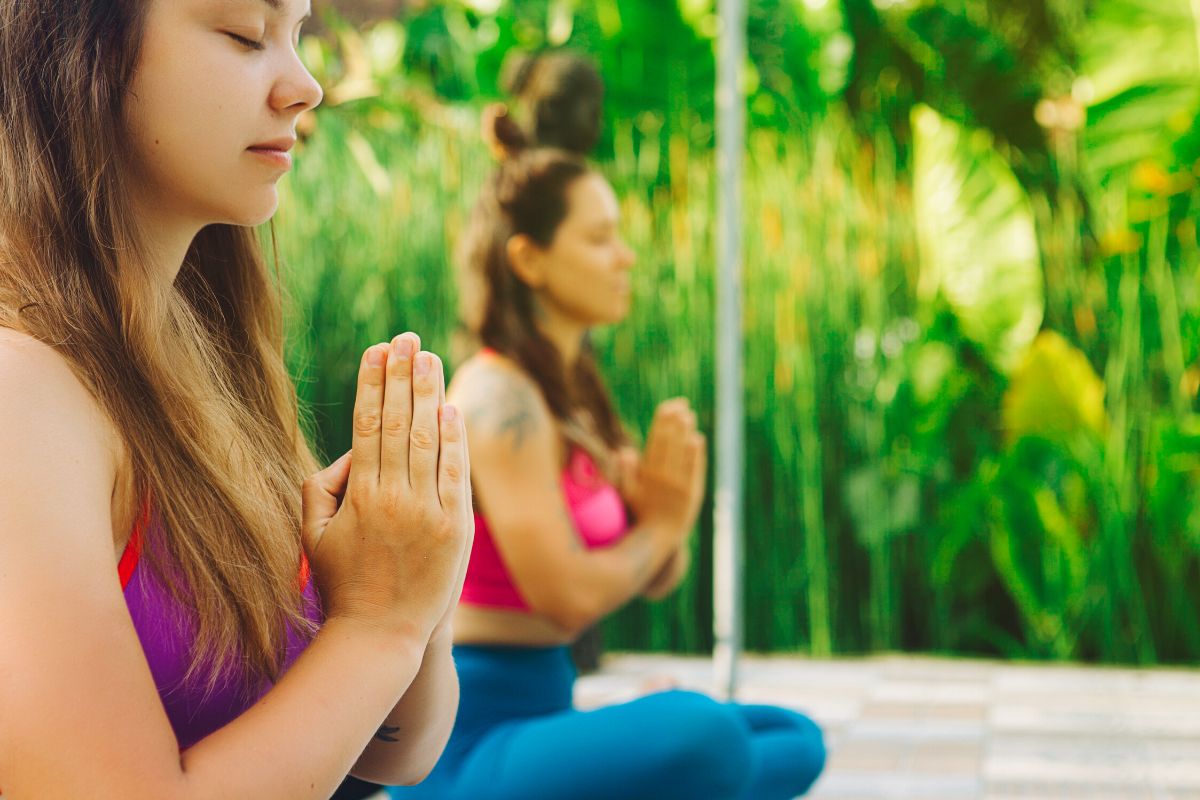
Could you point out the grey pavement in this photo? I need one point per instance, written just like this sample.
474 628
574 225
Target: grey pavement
951 729
922 727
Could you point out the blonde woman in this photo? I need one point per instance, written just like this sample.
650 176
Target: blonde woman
159 507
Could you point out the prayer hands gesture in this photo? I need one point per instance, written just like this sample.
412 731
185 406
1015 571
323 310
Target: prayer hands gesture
665 485
388 526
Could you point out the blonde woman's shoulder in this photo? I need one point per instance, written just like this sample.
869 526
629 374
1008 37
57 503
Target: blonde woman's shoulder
29 365
46 409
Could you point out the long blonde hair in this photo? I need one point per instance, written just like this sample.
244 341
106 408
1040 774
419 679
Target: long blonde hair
191 374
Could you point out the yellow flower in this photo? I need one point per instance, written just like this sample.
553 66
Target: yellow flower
1122 242
1151 177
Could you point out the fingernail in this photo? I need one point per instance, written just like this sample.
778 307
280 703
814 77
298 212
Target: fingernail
449 413
375 356
402 346
422 364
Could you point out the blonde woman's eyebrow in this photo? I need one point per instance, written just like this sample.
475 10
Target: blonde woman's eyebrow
274 6
277 7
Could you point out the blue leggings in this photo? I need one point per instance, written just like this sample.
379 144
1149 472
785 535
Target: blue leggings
517 737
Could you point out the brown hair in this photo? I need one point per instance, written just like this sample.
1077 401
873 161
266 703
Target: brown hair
561 94
191 374
528 195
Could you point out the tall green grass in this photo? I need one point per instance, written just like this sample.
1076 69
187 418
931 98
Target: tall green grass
887 506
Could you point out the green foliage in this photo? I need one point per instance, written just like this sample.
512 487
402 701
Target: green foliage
1140 63
972 295
978 245
984 83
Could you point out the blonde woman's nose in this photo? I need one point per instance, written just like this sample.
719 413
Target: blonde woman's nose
296 89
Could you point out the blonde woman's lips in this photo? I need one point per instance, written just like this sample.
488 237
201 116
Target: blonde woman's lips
275 152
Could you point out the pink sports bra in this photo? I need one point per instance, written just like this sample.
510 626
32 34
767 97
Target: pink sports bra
600 520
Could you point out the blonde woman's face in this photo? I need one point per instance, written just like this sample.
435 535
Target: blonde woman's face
213 105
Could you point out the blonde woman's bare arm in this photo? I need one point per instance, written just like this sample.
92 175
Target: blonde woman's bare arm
79 713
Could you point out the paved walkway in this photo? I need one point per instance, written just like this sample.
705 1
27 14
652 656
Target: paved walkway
934 729
945 729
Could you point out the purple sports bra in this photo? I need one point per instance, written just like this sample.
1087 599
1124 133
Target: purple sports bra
166 630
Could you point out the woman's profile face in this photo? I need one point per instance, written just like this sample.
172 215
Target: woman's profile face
212 107
589 276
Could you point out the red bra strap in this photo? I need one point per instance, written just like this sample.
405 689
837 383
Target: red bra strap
133 548
133 552
305 571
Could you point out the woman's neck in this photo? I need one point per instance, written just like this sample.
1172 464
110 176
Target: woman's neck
165 237
564 333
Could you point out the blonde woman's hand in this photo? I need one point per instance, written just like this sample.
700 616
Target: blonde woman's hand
664 487
387 528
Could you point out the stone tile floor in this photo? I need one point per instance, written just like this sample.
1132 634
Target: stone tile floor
922 727
926 728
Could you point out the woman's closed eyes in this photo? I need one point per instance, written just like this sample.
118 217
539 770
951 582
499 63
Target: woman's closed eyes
249 44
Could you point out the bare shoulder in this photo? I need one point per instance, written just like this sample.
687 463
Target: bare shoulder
75 681
502 406
50 417
31 370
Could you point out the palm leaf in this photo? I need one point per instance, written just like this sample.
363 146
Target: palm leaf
976 231
1140 63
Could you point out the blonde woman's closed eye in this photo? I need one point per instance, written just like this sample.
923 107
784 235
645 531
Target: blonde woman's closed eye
246 42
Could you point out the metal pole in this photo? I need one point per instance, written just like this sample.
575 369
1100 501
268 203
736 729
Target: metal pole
727 516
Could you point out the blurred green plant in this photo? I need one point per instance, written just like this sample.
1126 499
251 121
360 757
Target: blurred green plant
979 248
972 299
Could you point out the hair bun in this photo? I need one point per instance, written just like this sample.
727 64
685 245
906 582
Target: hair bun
502 133
561 97
516 71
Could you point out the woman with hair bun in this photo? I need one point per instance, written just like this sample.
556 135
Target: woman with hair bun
572 523
560 97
